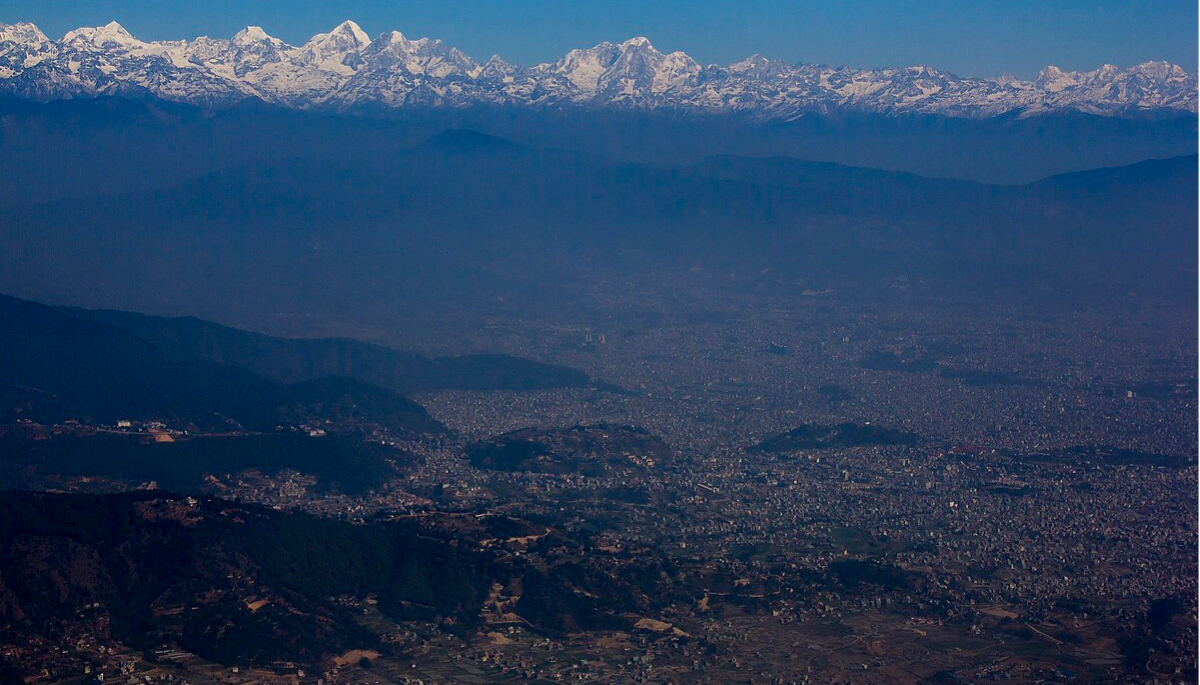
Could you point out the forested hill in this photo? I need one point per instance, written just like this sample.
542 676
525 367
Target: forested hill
293 360
138 555
55 367
265 585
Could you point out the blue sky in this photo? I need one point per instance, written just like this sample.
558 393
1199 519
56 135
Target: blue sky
963 36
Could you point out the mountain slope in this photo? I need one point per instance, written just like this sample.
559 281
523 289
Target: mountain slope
242 584
135 553
467 223
345 70
94 147
55 367
297 360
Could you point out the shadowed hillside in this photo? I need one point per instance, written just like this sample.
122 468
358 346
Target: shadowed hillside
465 222
294 360
54 367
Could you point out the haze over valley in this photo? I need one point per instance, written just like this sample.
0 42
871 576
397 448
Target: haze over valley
365 361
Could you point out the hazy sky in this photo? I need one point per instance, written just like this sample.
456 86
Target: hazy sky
962 36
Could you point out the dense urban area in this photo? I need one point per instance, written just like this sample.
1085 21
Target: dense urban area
905 488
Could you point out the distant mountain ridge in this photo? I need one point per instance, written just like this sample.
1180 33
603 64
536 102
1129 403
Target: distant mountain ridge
388 222
304 360
345 69
61 363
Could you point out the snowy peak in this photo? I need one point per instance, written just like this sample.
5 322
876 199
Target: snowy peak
338 51
23 46
1055 80
346 36
111 35
1160 70
627 71
497 64
584 68
425 57
390 37
1111 90
255 35
344 69
205 49
351 32
758 66
23 33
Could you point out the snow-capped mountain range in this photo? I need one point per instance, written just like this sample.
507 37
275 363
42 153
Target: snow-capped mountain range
345 69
